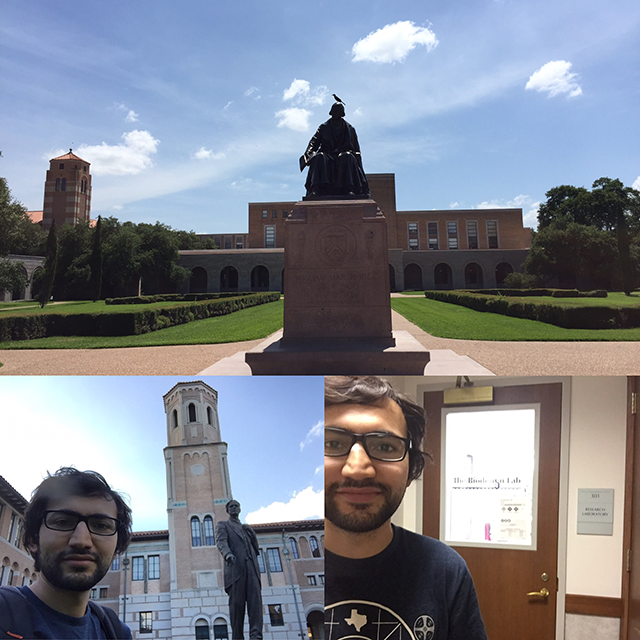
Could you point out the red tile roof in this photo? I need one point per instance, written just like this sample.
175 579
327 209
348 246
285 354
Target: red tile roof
70 156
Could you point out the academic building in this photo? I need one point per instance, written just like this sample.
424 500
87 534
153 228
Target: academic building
437 249
169 584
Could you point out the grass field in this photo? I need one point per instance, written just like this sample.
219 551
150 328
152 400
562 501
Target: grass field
246 324
446 320
87 306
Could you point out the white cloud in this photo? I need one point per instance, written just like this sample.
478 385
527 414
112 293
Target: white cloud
207 154
298 87
301 93
129 158
294 118
636 184
131 116
555 78
453 205
314 432
302 506
393 42
251 91
526 203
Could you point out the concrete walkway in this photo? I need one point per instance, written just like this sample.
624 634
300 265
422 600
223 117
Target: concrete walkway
501 358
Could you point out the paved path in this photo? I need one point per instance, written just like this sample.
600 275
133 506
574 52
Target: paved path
502 358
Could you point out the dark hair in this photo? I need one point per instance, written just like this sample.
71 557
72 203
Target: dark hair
68 481
371 390
226 506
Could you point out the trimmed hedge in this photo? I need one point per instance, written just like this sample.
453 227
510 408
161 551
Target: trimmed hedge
176 297
133 322
554 293
552 313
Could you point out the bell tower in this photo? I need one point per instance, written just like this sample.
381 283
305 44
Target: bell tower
198 485
67 191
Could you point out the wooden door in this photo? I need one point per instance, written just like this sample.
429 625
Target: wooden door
504 577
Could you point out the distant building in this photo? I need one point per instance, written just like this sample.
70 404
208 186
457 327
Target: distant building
67 191
428 249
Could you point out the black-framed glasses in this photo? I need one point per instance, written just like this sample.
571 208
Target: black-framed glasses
378 445
63 520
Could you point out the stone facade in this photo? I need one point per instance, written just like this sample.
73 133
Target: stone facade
30 264
435 249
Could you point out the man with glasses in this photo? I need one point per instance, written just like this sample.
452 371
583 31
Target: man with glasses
381 580
74 526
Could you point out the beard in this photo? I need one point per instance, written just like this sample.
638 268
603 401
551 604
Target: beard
364 517
72 578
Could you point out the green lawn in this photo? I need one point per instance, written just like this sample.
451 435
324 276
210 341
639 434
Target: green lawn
87 306
616 300
246 324
446 320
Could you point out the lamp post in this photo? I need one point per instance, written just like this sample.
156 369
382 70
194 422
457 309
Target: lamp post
286 553
125 562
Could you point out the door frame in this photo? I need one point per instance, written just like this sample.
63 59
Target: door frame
411 514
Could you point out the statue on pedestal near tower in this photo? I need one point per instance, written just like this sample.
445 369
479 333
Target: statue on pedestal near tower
334 160
238 545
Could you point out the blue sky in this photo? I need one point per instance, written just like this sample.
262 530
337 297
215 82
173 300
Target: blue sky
188 111
117 426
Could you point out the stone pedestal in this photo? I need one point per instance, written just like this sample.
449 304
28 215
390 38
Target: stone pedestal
337 306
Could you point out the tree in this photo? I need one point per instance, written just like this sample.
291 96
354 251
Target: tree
13 276
95 263
50 263
19 234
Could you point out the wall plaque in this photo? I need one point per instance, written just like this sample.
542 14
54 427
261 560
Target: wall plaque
595 512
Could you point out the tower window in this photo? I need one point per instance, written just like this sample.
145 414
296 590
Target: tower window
196 535
192 412
64 184
61 165
57 184
313 545
208 531
209 416
174 419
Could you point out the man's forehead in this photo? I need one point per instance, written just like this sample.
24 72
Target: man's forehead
85 505
385 414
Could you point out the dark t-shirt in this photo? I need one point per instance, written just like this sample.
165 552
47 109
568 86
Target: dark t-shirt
49 623
417 588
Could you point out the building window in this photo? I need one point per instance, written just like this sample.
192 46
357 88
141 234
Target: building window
103 592
452 235
175 418
432 233
321 576
412 228
285 213
313 545
209 413
274 213
137 568
227 242
264 213
275 615
57 184
10 580
312 580
294 548
239 243
202 630
492 234
274 560
269 237
61 165
472 234
413 244
13 529
94 594
192 412
261 561
196 536
146 622
154 567
64 184
220 630
208 531
115 565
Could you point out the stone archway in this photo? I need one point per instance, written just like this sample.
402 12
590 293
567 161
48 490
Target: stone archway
443 276
229 279
392 278
315 625
413 277
473 276
503 269
260 278
198 280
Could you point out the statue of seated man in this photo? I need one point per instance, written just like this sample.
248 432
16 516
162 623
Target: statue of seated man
334 161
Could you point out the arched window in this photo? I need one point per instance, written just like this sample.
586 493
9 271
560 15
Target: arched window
313 545
174 419
192 412
196 533
202 630
209 416
294 548
64 184
220 631
208 531
57 184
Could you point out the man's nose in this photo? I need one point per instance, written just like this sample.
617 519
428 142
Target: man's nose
81 536
358 465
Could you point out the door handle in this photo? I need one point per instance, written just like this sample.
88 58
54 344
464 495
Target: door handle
543 593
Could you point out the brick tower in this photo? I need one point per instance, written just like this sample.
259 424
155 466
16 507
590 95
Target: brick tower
67 191
198 485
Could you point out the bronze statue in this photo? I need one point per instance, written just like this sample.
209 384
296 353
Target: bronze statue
334 160
238 545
